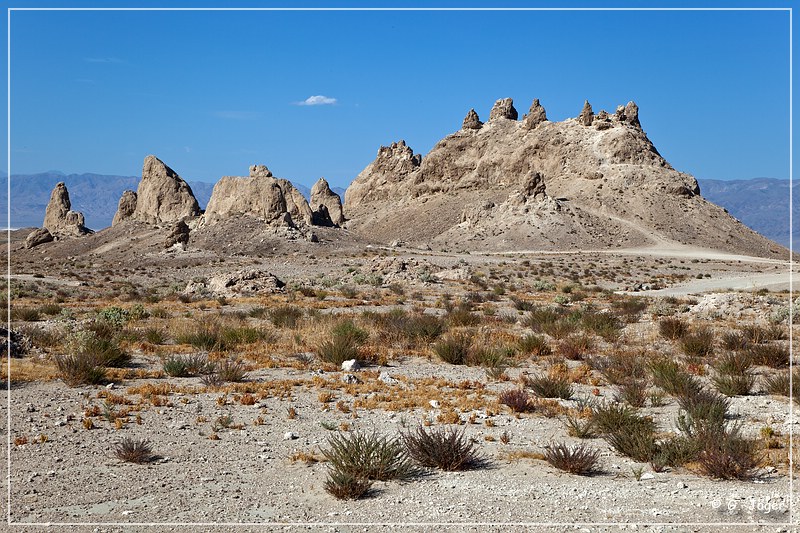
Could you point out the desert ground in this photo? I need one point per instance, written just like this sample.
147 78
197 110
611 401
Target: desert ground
240 396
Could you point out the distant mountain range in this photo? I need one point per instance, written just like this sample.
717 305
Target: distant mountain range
760 203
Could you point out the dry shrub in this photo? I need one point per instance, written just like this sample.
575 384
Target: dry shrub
447 449
517 399
138 451
580 459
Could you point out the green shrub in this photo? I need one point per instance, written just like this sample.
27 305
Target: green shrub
79 369
369 456
447 449
454 349
672 328
286 316
698 344
549 386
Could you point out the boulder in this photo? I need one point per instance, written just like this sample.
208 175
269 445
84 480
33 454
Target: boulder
326 205
59 219
260 171
125 208
13 343
163 196
534 185
179 234
471 121
536 115
503 108
587 115
37 237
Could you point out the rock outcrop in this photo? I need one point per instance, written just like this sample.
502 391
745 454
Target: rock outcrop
606 187
326 205
37 237
242 283
59 219
178 235
503 108
163 196
261 196
536 115
471 121
587 115
125 208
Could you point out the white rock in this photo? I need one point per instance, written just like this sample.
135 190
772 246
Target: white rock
647 475
386 378
350 365
350 379
290 435
434 404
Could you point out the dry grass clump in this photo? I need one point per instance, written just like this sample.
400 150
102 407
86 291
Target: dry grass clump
369 456
343 343
285 316
733 375
552 385
620 366
409 328
672 328
771 355
727 455
534 345
605 325
454 349
581 459
462 315
633 392
781 385
517 399
698 344
575 347
346 486
447 449
138 451
625 430
79 369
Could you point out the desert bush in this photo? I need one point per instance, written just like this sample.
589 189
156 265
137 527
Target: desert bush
699 343
522 305
605 325
668 376
756 334
369 456
704 408
338 350
577 427
549 386
462 315
345 486
560 328
580 459
771 355
155 335
780 384
103 351
198 364
633 392
541 318
619 366
733 340
672 328
733 363
115 316
727 455
79 369
285 316
625 430
534 345
138 451
25 314
203 334
629 309
517 399
230 370
448 449
175 366
454 349
51 309
575 347
734 384
232 337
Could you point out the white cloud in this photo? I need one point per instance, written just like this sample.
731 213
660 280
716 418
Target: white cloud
318 100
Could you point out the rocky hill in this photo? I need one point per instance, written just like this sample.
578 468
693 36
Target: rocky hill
593 181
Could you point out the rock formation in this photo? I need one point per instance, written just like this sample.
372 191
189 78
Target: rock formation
125 208
471 121
241 283
162 196
59 219
326 205
587 115
536 115
606 187
261 196
37 237
179 234
503 108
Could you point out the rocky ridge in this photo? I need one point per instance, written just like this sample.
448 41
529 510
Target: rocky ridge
591 181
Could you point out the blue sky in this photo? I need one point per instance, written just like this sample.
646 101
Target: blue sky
211 93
